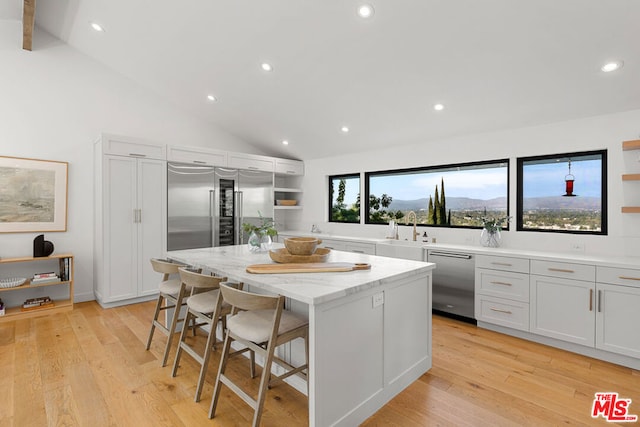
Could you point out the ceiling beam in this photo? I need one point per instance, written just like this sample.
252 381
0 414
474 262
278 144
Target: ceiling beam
28 21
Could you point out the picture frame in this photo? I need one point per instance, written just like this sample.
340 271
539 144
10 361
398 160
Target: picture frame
33 195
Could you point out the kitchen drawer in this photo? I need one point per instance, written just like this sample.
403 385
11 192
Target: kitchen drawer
564 269
498 311
336 245
197 156
125 147
517 265
503 284
360 248
618 276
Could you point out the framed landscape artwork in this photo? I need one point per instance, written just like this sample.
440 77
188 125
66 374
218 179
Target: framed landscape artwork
33 195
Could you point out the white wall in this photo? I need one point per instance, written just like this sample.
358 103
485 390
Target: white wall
602 132
54 103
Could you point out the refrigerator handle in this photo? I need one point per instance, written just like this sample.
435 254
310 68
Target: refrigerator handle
239 216
212 216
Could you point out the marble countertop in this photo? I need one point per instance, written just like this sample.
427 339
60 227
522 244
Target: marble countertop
597 260
309 288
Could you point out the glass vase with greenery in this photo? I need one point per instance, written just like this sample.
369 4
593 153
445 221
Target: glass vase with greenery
260 235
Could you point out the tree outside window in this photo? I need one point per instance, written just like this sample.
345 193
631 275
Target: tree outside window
344 191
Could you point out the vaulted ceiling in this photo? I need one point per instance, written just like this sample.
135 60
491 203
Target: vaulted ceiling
492 64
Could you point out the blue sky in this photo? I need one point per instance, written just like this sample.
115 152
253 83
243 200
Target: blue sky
540 180
548 179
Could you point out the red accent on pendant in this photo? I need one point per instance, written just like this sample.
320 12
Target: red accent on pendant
569 187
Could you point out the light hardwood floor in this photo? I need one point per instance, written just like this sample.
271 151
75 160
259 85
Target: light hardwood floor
89 368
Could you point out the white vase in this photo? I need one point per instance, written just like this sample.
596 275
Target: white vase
490 239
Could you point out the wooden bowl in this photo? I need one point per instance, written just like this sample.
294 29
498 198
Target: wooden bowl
301 245
284 257
286 202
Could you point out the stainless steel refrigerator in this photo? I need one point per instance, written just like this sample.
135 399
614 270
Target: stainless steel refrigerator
207 206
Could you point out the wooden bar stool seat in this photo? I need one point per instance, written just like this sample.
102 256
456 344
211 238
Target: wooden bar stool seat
260 323
171 293
205 308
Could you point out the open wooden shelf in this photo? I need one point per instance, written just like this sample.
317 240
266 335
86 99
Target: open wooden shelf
631 145
12 313
28 285
631 209
631 177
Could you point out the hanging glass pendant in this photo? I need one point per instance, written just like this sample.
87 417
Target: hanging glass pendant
568 183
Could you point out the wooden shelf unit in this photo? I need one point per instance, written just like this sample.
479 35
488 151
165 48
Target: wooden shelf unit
60 305
628 146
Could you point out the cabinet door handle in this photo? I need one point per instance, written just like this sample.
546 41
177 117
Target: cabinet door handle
590 299
137 155
504 264
500 311
561 270
252 167
200 162
501 283
357 251
628 278
599 301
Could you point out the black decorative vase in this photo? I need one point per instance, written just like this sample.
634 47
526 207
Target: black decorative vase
41 247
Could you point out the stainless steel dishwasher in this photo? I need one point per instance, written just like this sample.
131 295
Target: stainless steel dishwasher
453 282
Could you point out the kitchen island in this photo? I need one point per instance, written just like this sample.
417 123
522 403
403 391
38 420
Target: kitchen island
369 331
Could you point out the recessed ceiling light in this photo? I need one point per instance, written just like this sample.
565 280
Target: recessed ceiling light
285 142
97 27
266 67
365 11
438 107
612 66
211 98
345 129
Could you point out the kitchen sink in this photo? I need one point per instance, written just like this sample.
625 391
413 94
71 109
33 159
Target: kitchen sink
405 249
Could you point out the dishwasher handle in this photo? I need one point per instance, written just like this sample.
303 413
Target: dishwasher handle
451 255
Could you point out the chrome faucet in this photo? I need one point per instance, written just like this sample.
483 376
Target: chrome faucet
415 221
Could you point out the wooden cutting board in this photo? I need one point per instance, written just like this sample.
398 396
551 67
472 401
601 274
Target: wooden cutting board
315 267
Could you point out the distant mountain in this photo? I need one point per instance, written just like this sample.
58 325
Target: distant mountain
560 202
531 203
453 203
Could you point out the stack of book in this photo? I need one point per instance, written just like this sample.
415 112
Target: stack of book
40 302
44 278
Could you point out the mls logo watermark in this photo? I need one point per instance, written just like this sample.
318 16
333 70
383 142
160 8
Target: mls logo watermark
612 408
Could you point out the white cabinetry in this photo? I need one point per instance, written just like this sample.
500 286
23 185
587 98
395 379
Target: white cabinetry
289 167
502 291
618 310
197 156
251 162
130 225
563 301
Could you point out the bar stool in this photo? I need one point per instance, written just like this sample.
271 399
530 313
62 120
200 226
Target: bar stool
262 326
170 291
204 307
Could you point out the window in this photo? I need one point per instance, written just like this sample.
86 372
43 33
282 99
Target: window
447 196
344 193
547 202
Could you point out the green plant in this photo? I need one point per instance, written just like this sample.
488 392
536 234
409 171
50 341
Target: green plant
266 227
492 224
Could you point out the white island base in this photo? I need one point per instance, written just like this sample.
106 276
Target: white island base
370 331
